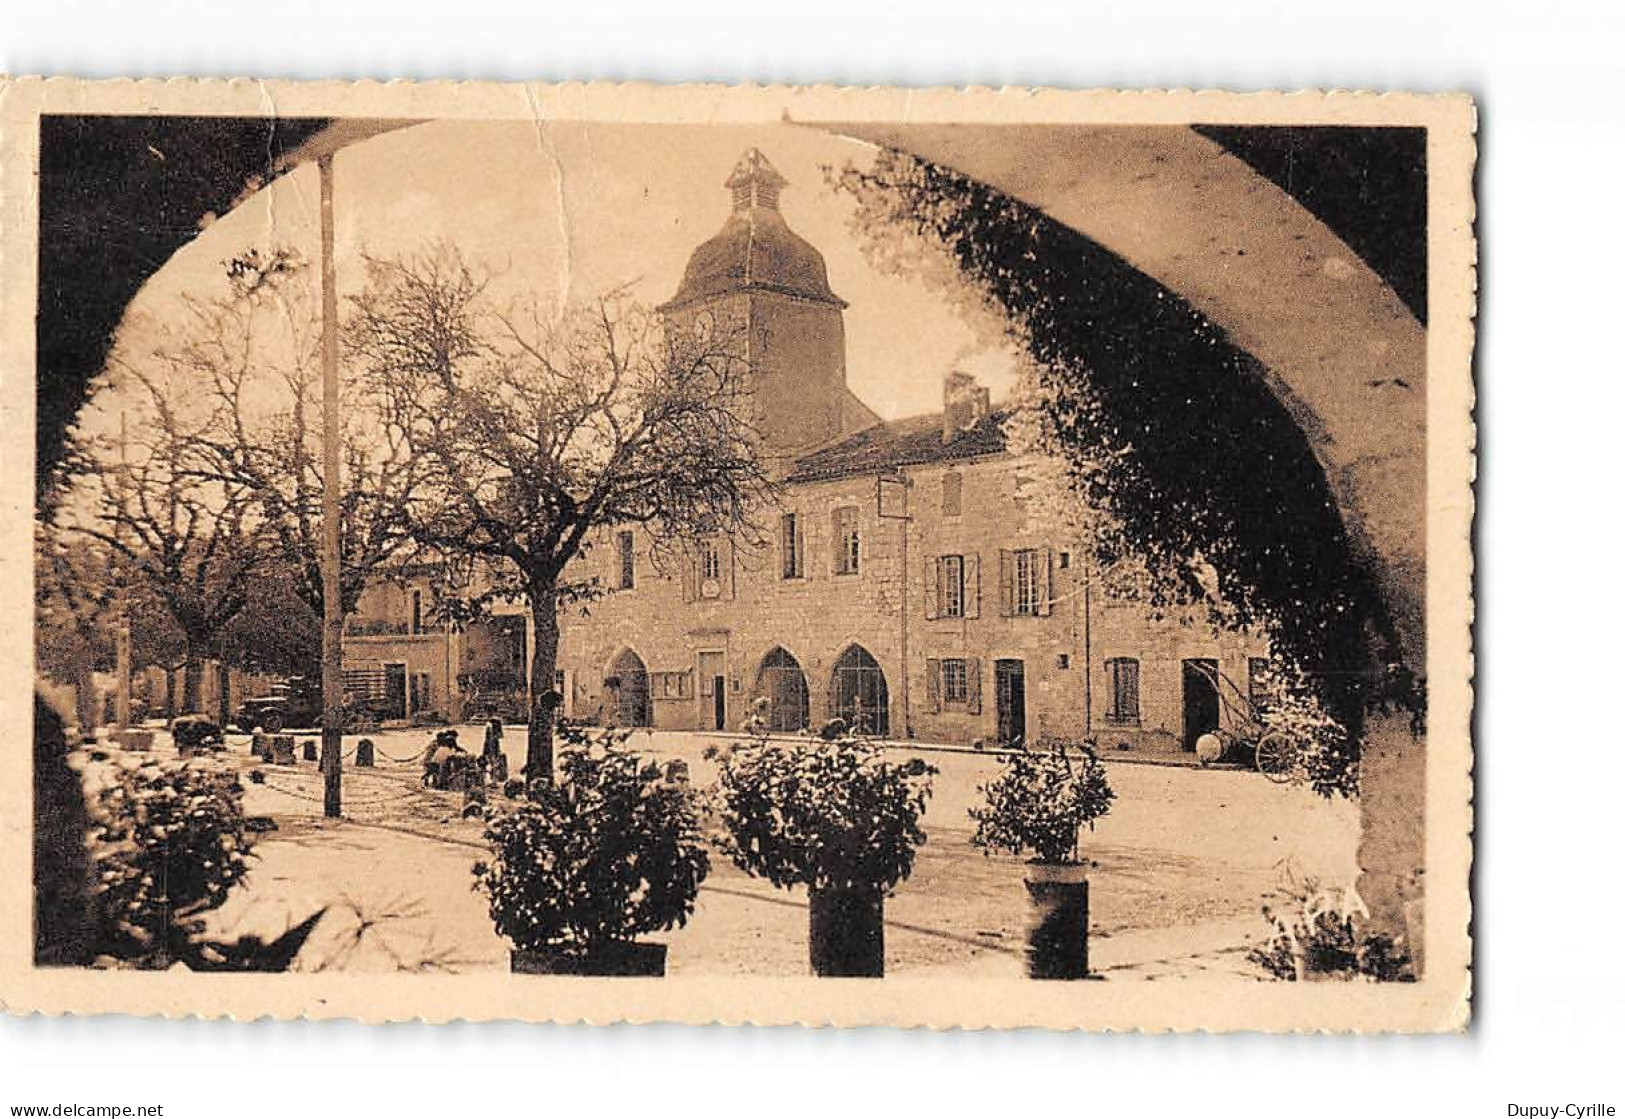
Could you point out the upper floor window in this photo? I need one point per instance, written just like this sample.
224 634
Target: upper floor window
417 611
952 485
1027 595
710 560
627 555
846 540
790 546
1124 676
951 586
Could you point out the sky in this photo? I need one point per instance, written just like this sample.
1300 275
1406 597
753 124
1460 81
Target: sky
562 212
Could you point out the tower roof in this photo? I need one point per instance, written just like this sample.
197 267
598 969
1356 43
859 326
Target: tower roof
756 249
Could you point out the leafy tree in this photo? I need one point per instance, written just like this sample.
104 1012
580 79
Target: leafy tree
533 435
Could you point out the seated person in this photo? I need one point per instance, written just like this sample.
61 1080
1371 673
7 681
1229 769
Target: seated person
442 756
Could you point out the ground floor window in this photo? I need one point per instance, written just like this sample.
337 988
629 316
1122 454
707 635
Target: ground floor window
954 682
673 685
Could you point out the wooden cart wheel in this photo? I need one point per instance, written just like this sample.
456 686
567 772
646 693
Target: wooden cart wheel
1275 757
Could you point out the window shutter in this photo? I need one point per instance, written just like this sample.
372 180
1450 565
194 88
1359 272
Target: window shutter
730 584
973 685
1046 564
802 529
933 682
973 586
933 587
1007 582
835 541
690 578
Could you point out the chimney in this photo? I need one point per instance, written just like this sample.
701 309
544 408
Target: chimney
964 404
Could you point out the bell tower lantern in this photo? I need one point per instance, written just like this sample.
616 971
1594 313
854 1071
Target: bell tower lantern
759 282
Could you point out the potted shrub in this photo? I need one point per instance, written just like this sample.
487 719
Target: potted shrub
835 817
608 853
1038 806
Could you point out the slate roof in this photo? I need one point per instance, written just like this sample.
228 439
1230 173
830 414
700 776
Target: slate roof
914 441
756 249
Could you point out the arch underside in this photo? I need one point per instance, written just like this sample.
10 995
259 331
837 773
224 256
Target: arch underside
857 693
780 681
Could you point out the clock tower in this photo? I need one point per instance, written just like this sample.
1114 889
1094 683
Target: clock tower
761 283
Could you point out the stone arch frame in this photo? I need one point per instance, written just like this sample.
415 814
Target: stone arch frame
865 704
632 703
1149 197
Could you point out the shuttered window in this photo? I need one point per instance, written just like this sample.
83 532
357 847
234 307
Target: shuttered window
1123 674
951 587
954 683
1026 593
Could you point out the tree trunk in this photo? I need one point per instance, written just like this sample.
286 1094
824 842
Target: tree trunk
544 659
169 692
225 695
192 698
87 702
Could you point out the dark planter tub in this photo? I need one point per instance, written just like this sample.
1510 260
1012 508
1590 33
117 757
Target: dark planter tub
846 933
635 959
1058 921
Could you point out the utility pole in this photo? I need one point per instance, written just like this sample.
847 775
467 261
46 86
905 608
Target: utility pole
332 606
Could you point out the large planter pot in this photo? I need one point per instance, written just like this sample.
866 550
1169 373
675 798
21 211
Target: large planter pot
846 933
625 959
1058 921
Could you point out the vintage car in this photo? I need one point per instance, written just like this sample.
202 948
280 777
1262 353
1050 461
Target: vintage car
296 703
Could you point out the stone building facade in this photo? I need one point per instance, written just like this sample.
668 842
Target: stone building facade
899 584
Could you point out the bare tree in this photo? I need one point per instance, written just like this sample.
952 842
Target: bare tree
533 434
193 542
254 352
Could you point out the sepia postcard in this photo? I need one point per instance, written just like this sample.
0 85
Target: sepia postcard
622 553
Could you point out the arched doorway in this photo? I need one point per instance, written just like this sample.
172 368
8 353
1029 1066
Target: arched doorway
628 685
857 692
782 682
